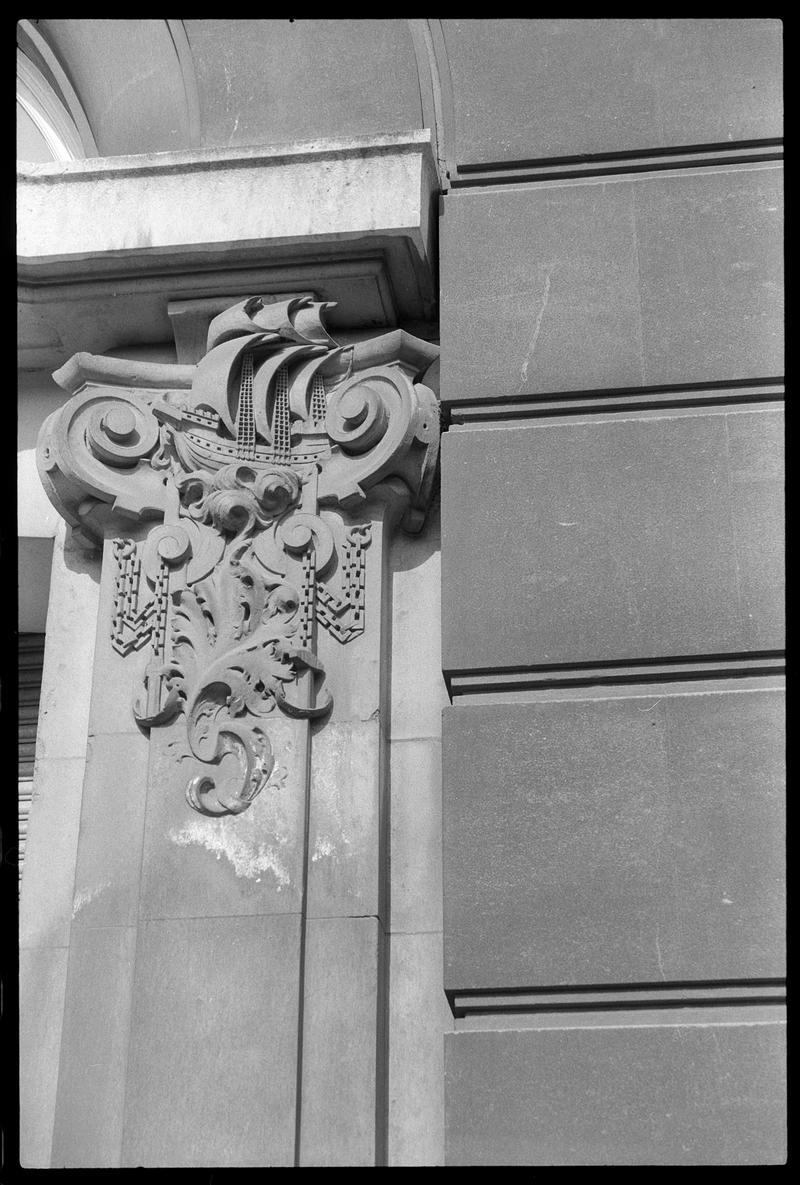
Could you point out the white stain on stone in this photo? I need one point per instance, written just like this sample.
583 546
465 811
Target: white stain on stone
537 329
322 847
658 956
249 856
84 896
254 842
344 770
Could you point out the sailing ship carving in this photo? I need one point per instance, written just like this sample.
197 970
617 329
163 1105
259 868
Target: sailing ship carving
260 392
237 457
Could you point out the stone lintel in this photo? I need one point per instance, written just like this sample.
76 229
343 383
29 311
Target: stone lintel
351 221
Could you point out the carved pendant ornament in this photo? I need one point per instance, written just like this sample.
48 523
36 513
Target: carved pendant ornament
243 458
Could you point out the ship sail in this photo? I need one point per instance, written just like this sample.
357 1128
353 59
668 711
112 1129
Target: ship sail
297 320
261 375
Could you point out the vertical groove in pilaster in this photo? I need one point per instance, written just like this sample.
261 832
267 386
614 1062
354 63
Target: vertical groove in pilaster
139 923
382 1050
384 858
301 975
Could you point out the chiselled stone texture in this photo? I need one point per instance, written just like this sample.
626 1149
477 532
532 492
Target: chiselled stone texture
537 89
631 839
89 1116
278 80
217 997
237 459
689 1090
626 537
342 1014
612 330
613 282
42 979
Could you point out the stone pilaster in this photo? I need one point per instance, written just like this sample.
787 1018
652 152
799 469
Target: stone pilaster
226 985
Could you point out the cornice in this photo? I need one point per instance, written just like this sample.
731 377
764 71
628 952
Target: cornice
213 159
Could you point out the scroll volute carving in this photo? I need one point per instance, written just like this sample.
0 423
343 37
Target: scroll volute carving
235 457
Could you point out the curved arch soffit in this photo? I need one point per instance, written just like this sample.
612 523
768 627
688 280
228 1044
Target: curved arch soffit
55 110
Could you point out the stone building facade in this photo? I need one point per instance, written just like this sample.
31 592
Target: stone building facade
400 532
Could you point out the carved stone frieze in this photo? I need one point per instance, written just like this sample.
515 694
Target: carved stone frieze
239 461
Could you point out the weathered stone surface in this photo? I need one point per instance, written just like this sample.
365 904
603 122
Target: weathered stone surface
197 866
627 537
309 181
339 1111
112 831
418 693
416 836
419 1017
272 81
702 1094
42 979
534 89
48 877
620 840
71 625
34 564
661 278
37 397
217 998
53 828
134 83
343 836
351 219
709 256
418 1013
756 492
94 1048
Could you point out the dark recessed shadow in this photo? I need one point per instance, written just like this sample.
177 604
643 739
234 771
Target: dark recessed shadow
82 561
410 551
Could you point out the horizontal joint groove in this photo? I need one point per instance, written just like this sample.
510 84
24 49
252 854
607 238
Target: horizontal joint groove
608 998
470 682
285 269
566 403
627 154
638 160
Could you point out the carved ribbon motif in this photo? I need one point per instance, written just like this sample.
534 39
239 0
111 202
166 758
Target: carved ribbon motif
238 457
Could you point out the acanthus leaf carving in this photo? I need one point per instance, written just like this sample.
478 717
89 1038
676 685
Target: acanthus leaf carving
236 457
